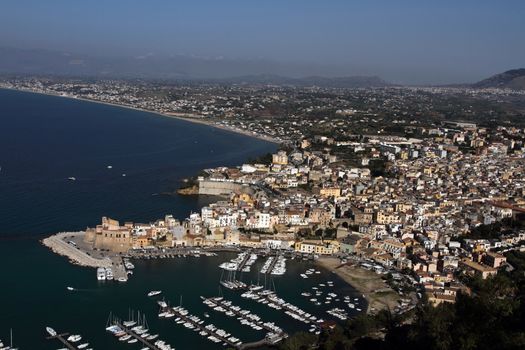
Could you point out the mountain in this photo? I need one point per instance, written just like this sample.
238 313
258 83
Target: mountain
511 79
175 67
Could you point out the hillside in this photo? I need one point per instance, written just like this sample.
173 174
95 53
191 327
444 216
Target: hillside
511 79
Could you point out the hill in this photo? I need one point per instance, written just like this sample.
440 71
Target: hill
511 79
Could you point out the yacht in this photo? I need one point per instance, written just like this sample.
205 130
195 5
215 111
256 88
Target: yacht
74 338
72 178
101 274
51 331
154 292
82 346
109 273
70 288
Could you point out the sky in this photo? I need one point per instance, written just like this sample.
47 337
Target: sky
414 42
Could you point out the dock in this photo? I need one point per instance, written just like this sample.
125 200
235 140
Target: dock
119 329
144 341
208 329
64 341
270 299
243 314
243 262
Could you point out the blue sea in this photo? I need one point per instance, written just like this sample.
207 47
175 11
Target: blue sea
44 140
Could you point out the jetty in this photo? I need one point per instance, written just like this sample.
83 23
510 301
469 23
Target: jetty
270 299
194 323
243 262
244 316
130 330
57 243
64 341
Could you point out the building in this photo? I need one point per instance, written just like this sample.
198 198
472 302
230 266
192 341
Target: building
475 268
280 158
325 247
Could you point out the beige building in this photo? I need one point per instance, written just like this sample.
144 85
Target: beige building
280 158
110 235
326 247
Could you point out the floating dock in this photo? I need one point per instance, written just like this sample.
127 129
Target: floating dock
271 300
196 323
67 344
117 328
243 262
245 315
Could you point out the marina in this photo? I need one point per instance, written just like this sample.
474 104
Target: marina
245 317
270 299
132 332
242 262
274 265
192 322
72 342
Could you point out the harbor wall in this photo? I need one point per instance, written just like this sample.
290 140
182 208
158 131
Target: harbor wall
221 188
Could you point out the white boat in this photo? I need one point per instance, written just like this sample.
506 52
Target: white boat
70 288
125 337
109 273
83 346
51 331
74 338
101 274
154 292
72 178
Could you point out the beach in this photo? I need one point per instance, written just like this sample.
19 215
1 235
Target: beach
192 118
378 294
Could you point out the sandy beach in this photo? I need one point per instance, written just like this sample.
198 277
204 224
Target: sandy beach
378 294
192 118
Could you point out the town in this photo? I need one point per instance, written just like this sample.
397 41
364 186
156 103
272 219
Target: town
409 194
414 219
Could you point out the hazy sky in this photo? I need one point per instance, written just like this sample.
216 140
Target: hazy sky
420 41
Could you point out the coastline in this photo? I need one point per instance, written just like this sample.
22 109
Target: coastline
377 293
181 116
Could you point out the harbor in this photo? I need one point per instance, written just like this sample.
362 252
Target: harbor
135 331
252 323
192 322
245 317
270 299
71 342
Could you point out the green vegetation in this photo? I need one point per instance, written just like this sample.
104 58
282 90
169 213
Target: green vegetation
495 230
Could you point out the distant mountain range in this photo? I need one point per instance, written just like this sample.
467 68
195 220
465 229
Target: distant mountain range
194 68
511 79
175 67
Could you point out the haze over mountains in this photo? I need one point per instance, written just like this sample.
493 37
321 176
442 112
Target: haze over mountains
184 67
